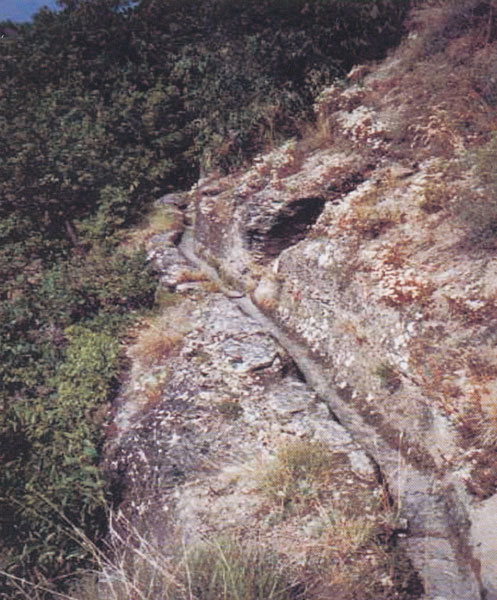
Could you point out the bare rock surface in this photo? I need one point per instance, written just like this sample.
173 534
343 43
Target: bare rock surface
203 436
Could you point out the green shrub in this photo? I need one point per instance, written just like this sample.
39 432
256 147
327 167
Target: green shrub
53 478
477 209
58 381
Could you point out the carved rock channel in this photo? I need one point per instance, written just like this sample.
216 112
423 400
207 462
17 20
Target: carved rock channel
438 521
198 428
386 306
338 268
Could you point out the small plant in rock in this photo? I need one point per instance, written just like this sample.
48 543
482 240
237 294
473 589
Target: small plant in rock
316 136
191 276
157 342
153 393
230 570
164 298
298 473
161 219
230 409
388 376
435 198
478 211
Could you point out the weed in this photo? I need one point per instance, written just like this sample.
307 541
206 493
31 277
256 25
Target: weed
153 393
487 425
158 341
316 136
211 287
160 219
479 210
164 298
435 198
388 376
352 557
298 473
230 409
191 275
129 567
267 304
371 222
164 218
230 570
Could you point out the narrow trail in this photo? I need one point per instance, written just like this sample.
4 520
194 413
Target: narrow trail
436 515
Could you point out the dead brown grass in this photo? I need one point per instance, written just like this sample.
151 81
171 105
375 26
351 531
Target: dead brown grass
157 341
191 275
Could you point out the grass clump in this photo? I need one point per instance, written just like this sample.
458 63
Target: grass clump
348 549
132 568
231 410
389 376
479 211
156 342
298 473
475 206
230 570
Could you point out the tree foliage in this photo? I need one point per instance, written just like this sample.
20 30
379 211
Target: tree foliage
103 106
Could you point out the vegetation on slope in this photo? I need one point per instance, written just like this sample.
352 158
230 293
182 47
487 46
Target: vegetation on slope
103 106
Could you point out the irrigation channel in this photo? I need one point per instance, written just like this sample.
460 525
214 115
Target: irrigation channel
434 510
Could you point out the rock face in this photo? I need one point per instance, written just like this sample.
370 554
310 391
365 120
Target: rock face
336 296
220 436
358 256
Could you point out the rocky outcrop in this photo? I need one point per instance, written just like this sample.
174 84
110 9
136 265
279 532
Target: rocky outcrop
358 257
221 436
340 293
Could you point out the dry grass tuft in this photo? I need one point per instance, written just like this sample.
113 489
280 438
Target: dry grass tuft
298 473
158 341
223 569
191 275
316 136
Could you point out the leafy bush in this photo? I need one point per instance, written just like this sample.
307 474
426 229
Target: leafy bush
58 381
52 477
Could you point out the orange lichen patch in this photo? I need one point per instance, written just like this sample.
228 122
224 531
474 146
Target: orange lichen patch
472 310
395 254
437 372
397 288
191 275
